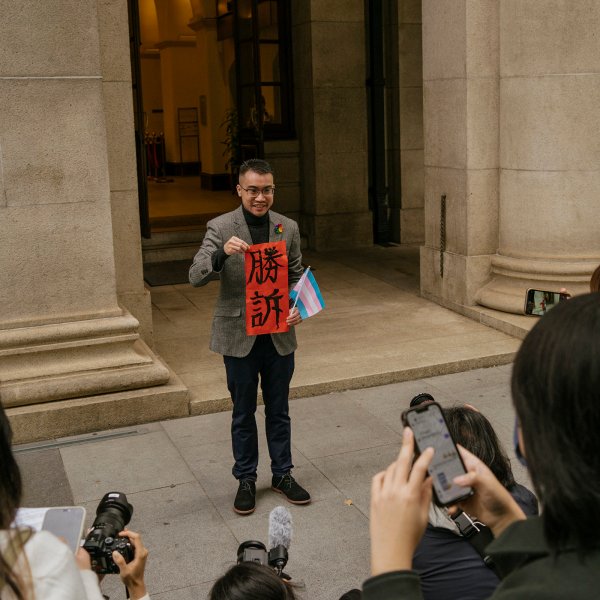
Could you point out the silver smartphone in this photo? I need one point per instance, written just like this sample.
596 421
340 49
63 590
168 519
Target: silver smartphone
539 302
430 430
65 522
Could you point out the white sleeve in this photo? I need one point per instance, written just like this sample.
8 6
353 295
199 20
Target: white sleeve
55 573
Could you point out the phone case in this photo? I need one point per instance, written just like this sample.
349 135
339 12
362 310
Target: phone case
421 408
71 528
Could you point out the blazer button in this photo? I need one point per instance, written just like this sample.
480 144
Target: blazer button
204 271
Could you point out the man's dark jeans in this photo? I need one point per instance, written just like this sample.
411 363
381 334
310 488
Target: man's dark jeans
242 381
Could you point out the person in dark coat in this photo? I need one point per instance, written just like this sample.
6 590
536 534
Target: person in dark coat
449 565
556 394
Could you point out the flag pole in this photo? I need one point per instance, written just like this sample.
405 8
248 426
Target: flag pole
303 279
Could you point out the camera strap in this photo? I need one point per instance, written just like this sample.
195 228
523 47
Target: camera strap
477 534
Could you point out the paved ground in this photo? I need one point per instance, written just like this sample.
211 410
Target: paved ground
177 476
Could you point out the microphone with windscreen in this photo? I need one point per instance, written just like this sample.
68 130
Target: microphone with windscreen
280 538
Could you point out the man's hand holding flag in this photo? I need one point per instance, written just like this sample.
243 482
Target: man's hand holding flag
307 296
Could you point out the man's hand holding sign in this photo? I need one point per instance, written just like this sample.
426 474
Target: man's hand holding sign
235 246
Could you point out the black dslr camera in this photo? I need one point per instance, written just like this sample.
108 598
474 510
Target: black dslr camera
256 552
280 537
112 514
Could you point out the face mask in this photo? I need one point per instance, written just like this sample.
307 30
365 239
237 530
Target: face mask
520 457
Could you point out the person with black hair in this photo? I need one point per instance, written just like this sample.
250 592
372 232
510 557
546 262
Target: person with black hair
556 394
247 358
450 565
595 280
251 581
38 566
35 566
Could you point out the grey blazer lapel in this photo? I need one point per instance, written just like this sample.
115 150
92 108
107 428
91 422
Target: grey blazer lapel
241 227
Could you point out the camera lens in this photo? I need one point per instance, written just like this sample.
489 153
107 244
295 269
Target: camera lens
112 514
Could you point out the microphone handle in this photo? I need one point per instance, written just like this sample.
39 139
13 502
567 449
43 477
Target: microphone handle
278 557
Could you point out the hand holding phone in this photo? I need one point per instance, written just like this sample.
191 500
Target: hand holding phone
539 302
493 503
400 499
430 430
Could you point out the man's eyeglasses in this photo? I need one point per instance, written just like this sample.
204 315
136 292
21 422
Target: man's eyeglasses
255 192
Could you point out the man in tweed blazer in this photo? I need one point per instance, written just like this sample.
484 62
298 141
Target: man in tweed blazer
227 239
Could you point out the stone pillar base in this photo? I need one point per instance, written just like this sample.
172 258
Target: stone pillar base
512 277
95 413
74 359
463 276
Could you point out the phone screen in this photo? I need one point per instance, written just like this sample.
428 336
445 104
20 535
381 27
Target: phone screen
66 523
430 430
539 302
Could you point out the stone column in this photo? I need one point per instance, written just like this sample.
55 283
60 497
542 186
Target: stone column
62 331
329 75
118 112
549 150
410 59
460 114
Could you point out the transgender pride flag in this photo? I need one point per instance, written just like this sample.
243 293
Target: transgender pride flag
307 296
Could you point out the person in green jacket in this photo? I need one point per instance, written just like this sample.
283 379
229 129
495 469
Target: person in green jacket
556 395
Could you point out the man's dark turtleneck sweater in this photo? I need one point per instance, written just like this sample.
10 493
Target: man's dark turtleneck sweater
259 232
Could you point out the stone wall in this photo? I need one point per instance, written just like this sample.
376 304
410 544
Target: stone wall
66 345
460 114
329 77
118 104
549 150
410 62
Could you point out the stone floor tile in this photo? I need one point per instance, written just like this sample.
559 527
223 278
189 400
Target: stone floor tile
131 464
45 482
325 425
389 401
198 431
352 472
458 383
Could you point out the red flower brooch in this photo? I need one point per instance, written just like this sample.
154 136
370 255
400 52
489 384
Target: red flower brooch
279 228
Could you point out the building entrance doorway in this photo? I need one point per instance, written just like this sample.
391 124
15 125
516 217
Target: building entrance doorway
181 102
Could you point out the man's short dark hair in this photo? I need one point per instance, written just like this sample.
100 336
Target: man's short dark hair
556 393
256 165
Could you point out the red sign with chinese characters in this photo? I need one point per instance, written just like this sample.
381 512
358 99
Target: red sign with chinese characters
267 303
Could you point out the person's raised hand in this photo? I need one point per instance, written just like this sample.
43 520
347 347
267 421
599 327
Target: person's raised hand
400 498
234 245
132 573
491 503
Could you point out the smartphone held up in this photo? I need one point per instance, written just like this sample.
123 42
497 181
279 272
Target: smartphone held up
431 431
539 302
66 523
